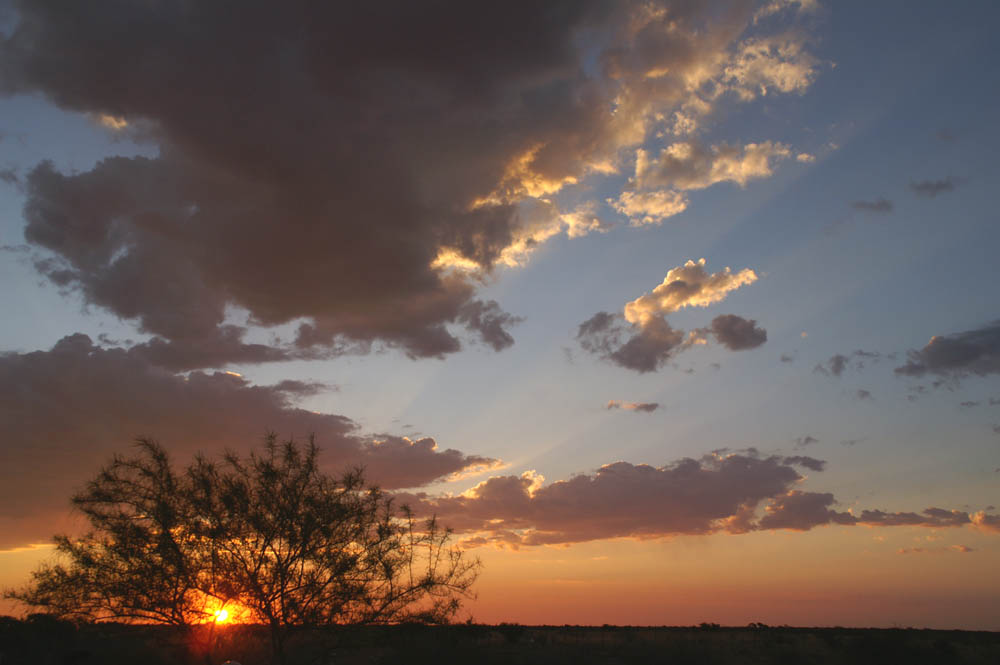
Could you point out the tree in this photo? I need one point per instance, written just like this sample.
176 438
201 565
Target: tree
270 535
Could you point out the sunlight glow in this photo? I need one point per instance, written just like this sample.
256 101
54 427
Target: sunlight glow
221 616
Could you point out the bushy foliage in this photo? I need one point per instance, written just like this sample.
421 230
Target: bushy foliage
271 537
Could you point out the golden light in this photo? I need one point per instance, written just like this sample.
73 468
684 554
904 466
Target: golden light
221 616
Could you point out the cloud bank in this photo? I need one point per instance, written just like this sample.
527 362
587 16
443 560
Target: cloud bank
355 171
66 411
719 493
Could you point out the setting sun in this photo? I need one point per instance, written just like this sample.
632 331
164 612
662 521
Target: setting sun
221 616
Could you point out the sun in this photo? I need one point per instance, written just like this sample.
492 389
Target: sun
221 616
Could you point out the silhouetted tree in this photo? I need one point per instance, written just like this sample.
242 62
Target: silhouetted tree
271 535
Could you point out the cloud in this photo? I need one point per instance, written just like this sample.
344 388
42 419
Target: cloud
689 285
645 407
863 394
881 206
806 440
805 158
957 355
736 333
620 499
490 321
787 358
931 188
690 165
360 171
801 511
777 6
65 411
645 208
961 549
839 362
718 493
641 338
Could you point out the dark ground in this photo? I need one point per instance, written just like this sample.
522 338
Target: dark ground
44 641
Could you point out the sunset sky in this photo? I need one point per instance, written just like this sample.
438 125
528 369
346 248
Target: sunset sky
675 311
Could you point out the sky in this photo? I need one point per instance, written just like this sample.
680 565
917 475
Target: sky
674 311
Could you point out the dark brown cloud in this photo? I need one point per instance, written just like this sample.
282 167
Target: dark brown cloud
620 499
717 493
736 333
65 411
957 355
801 511
324 164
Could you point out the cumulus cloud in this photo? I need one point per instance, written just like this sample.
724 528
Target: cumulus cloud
931 188
973 352
805 158
356 171
727 493
66 410
881 206
736 333
690 285
644 208
641 338
690 165
801 511
645 407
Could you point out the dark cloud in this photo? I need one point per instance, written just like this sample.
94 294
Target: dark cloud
489 321
810 463
931 188
718 493
835 366
65 411
787 358
806 440
863 394
9 176
651 344
302 388
881 206
957 355
327 165
642 348
969 404
994 401
801 511
839 362
644 407
851 442
736 333
620 499
930 517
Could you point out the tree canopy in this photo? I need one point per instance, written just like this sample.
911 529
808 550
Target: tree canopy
270 537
